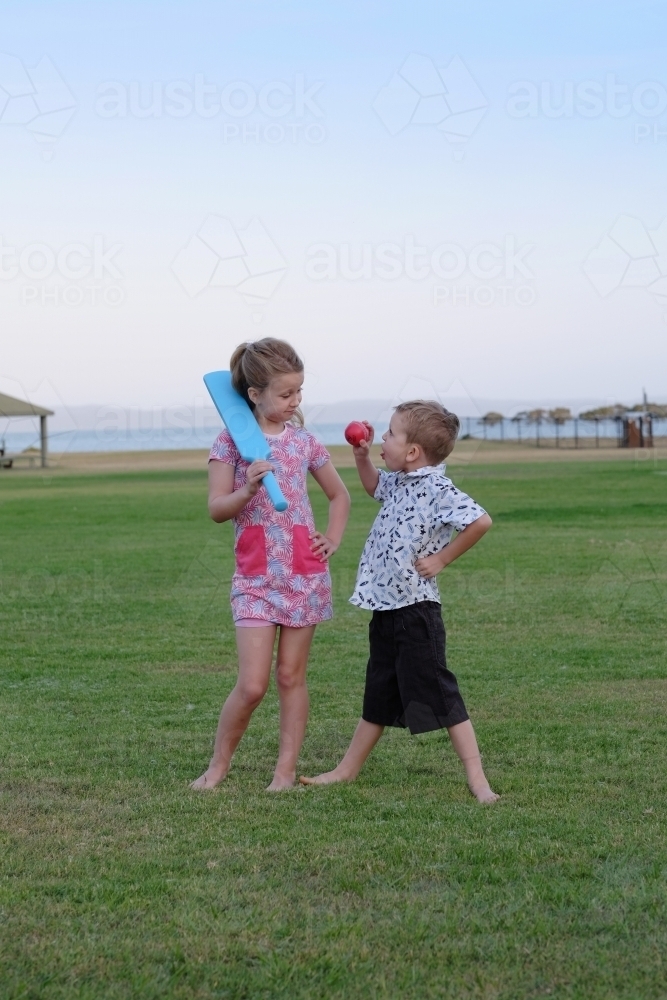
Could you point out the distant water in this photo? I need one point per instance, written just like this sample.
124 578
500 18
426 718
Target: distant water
116 440
166 439
150 439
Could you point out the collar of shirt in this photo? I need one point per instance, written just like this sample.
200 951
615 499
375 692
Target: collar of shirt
425 470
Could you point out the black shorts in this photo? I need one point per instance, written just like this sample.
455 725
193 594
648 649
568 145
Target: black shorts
407 680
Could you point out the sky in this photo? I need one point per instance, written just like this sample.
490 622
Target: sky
468 196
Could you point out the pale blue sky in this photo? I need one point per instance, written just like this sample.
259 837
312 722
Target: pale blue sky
147 184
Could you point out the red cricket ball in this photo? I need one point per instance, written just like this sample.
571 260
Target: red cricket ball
355 433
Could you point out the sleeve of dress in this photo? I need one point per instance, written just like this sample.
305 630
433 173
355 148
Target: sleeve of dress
317 454
452 506
386 484
224 450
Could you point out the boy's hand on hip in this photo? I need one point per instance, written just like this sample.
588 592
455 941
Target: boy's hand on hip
430 566
322 546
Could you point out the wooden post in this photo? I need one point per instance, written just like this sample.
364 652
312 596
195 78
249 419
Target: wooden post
44 439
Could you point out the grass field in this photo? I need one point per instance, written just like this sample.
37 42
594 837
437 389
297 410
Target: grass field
117 651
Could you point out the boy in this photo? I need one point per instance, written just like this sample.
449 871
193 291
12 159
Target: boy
407 680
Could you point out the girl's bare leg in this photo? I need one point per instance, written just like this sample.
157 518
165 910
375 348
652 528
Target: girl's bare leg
291 664
465 743
255 649
365 737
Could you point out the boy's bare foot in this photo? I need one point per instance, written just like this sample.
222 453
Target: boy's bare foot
328 778
484 794
280 784
209 780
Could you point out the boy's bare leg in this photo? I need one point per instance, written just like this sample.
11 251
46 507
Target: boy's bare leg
365 737
255 649
291 665
465 743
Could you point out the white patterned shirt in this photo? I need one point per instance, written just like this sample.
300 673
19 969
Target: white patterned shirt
420 511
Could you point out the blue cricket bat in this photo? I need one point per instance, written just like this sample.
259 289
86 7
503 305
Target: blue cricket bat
244 429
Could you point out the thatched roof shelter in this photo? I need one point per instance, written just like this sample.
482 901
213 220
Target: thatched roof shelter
12 407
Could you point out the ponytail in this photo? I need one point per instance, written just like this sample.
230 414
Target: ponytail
255 363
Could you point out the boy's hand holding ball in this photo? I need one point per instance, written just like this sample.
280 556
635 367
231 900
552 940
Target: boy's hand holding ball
360 435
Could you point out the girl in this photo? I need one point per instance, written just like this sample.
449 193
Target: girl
281 579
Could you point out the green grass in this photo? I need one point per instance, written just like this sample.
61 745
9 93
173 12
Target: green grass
117 651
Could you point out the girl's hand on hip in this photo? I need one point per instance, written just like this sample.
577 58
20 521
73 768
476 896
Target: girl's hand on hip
255 473
322 546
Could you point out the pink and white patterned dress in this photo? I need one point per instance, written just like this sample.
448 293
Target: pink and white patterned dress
277 577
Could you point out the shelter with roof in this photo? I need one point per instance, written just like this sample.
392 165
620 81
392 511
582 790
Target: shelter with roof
12 407
637 431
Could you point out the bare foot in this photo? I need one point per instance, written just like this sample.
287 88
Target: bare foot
328 778
484 794
207 781
280 784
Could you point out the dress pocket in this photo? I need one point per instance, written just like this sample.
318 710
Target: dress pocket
304 560
251 552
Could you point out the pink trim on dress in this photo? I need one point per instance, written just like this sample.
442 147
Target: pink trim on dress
252 623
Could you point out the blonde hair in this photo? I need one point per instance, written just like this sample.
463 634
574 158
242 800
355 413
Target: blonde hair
431 426
256 363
